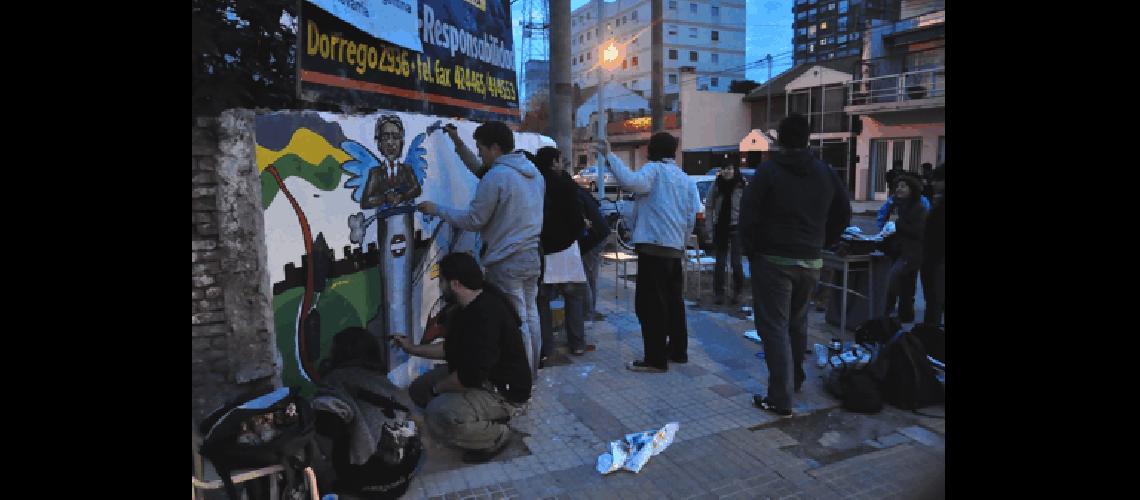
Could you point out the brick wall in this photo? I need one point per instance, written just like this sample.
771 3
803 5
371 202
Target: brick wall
233 351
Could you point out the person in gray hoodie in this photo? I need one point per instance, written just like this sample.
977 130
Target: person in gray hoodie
667 206
794 207
507 212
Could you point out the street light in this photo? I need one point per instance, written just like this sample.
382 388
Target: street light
608 61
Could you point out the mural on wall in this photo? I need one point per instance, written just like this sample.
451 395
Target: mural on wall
350 182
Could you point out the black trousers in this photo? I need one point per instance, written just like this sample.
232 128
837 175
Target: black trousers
661 310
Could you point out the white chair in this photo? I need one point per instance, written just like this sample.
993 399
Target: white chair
695 262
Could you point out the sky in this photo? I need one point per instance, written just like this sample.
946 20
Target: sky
769 31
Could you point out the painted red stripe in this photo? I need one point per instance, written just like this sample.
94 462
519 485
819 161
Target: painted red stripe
340 81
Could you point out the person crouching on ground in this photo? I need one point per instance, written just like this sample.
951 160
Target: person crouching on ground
470 399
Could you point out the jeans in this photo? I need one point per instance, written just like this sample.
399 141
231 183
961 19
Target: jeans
732 240
574 297
517 277
591 260
780 295
900 287
661 310
934 289
474 419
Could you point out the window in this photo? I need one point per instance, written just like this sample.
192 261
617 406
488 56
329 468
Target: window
624 64
580 38
693 55
802 32
715 57
715 35
633 15
624 20
842 38
715 11
692 8
609 27
823 25
843 7
822 42
831 6
801 47
715 82
692 32
801 2
587 35
587 56
634 63
843 23
800 16
634 83
673 79
672 29
672 5
811 48
673 54
855 35
596 32
811 30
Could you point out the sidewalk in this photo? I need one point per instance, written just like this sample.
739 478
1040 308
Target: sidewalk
725 448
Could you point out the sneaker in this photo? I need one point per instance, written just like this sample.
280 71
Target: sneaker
820 355
577 352
484 456
641 366
763 403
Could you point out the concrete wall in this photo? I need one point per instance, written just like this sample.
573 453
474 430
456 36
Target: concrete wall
928 125
232 348
712 118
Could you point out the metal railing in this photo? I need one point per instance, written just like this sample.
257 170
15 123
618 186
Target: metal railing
899 87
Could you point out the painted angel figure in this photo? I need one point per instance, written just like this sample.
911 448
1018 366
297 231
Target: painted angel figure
386 183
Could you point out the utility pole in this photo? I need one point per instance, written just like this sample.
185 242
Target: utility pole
600 96
561 92
768 113
657 71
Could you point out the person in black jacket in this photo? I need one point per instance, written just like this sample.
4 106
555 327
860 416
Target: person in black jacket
905 246
562 226
471 398
794 207
934 252
722 216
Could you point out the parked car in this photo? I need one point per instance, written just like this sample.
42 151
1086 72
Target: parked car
704 184
588 178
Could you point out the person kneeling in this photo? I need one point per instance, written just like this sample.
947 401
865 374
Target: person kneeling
469 400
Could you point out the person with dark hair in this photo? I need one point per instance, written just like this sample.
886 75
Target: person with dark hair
934 252
507 212
892 181
469 400
905 246
563 272
667 206
927 170
794 207
722 217
597 230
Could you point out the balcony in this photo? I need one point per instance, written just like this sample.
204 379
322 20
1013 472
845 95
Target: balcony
924 89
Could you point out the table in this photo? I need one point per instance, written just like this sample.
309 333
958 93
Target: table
846 265
622 258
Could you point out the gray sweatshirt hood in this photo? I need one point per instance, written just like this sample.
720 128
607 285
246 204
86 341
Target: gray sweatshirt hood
520 163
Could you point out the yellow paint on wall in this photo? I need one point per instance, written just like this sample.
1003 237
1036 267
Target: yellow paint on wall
309 145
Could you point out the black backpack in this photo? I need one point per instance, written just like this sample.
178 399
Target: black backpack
562 222
856 388
599 229
274 428
877 330
906 378
933 339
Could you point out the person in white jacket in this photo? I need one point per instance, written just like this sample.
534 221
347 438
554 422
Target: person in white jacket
667 206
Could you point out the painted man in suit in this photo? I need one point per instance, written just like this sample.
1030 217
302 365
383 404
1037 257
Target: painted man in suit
392 183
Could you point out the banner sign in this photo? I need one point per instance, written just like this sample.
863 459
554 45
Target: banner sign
466 68
389 20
